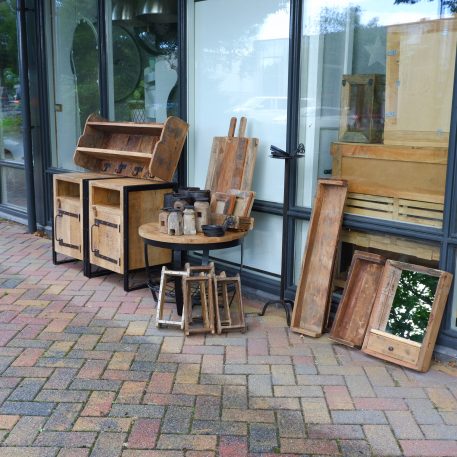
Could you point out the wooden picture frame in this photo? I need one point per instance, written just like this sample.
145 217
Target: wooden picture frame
382 339
243 202
222 203
353 314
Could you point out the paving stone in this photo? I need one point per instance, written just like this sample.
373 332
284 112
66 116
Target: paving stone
207 408
235 397
67 396
382 404
233 446
27 389
450 418
177 420
290 424
338 431
29 451
8 422
95 384
193 442
338 397
400 392
99 404
282 375
61 378
108 445
260 385
404 425
63 417
144 434
359 386
274 403
131 392
308 446
248 415
102 424
423 411
298 391
358 417
381 440
65 439
442 398
262 437
27 408
315 411
216 427
440 432
224 379
428 448
25 431
148 411
355 448
247 369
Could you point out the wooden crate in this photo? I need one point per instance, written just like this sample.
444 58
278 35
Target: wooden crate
402 183
117 208
419 82
362 108
70 219
129 149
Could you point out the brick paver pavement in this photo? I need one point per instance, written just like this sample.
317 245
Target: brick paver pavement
85 372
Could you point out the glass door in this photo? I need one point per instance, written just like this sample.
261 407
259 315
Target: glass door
75 72
12 177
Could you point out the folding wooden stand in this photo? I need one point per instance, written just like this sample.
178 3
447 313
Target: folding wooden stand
233 310
203 283
160 321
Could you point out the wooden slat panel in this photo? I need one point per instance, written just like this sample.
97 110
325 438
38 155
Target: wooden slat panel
311 300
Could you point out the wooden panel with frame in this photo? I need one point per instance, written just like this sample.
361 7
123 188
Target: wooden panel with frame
244 200
419 82
314 287
407 314
222 203
354 310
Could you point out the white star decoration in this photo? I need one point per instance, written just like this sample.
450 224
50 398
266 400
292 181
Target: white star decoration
377 52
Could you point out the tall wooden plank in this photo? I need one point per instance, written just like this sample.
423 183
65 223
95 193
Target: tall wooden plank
355 307
311 300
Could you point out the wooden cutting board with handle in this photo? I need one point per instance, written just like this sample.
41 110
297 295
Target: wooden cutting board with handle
232 160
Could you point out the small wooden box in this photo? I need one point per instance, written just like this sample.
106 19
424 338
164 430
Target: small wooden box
419 82
70 219
132 150
117 208
362 108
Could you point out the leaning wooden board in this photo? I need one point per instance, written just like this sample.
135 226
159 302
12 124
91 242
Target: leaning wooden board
232 160
354 310
314 287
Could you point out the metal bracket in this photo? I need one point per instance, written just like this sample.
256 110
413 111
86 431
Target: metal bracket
120 167
107 224
104 257
136 171
67 213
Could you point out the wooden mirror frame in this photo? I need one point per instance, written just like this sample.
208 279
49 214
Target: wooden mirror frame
395 349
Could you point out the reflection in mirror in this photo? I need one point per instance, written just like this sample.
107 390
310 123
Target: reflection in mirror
411 306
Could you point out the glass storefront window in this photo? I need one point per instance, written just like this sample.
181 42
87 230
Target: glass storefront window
12 180
144 60
75 81
239 67
375 105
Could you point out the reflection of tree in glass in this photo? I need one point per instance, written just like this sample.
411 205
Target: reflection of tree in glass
444 4
412 305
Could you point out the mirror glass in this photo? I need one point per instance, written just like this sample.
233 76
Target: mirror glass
411 306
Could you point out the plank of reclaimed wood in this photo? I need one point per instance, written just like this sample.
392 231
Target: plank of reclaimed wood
167 151
311 300
354 310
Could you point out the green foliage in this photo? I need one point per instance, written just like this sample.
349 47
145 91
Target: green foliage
451 5
8 46
412 305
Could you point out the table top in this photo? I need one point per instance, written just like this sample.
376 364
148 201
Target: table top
151 232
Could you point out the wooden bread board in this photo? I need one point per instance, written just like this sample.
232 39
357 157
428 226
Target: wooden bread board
232 160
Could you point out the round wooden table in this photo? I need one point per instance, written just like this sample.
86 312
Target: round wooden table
153 237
